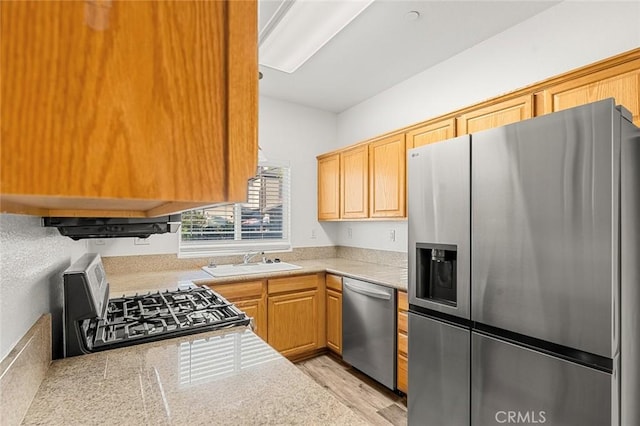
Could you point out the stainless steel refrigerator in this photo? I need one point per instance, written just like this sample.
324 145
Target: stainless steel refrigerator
524 273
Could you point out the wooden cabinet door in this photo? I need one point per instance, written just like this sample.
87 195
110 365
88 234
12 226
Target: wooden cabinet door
403 342
251 298
500 114
354 183
329 187
432 132
256 309
334 321
621 82
293 322
127 108
387 174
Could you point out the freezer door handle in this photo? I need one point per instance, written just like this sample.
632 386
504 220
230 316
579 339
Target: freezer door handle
368 291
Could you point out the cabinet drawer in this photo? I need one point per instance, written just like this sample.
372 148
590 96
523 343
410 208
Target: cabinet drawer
239 291
403 374
403 340
334 282
403 304
303 282
402 323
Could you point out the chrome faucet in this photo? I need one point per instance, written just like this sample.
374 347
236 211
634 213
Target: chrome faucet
249 255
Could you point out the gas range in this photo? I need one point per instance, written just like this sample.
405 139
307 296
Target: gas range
93 322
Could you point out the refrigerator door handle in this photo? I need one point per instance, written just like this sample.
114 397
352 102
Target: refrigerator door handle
368 291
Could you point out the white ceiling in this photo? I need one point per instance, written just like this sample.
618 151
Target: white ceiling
380 48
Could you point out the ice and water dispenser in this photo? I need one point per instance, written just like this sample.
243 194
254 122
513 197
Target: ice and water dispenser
436 273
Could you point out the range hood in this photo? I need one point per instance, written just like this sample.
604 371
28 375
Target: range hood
78 228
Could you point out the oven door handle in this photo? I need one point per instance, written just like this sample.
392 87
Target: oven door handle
368 291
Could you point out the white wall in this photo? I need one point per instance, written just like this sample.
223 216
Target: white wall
32 259
287 132
296 133
567 36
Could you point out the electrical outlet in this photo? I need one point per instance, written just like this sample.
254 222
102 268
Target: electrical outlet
350 232
313 234
392 235
141 241
99 242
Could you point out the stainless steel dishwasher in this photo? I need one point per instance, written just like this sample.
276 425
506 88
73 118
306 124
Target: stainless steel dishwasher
369 329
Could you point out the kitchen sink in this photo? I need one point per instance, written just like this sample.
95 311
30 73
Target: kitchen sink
248 268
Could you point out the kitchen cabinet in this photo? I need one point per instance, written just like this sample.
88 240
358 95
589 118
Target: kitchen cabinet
430 133
621 82
296 307
379 193
251 298
387 176
334 313
129 108
354 183
495 115
329 187
403 340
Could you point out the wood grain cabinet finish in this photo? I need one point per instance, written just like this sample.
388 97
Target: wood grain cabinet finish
354 183
620 82
403 341
296 315
431 133
387 174
329 187
378 195
126 108
334 313
495 115
251 298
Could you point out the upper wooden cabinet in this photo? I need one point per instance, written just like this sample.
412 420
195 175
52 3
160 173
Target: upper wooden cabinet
128 108
621 82
387 165
430 133
495 115
354 183
617 77
329 187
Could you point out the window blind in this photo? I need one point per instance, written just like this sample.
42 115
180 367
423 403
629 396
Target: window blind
262 223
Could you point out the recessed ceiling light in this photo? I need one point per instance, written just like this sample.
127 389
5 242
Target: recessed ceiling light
304 28
412 15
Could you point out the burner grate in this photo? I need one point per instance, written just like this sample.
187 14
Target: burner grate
147 317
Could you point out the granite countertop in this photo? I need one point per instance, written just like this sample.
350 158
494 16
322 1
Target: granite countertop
390 276
223 377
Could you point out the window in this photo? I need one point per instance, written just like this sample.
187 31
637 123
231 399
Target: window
262 223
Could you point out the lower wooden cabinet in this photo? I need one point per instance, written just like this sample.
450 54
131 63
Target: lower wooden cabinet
334 313
403 341
296 308
251 298
256 309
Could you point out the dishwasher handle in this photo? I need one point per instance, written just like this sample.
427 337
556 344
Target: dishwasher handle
368 291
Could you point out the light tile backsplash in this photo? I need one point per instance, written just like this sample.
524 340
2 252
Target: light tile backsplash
170 262
380 257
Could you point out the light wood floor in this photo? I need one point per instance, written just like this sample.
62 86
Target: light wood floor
367 398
